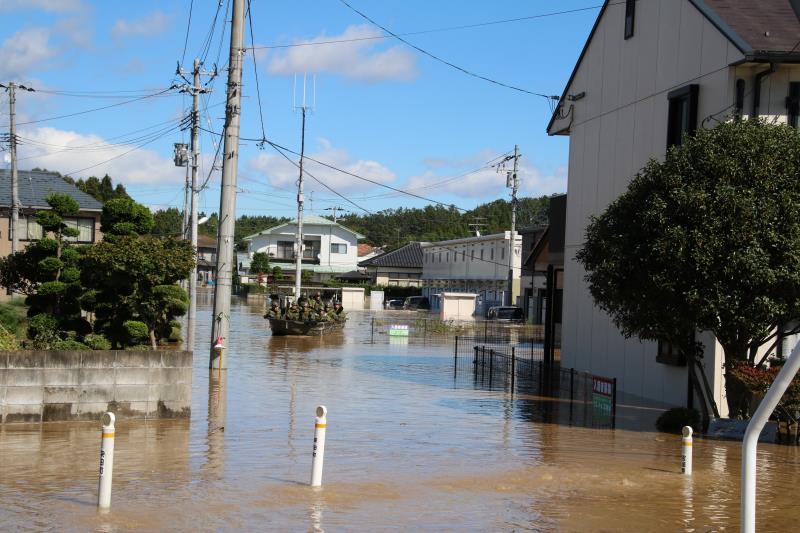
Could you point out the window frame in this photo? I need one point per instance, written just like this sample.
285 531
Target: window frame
688 96
793 104
630 18
338 245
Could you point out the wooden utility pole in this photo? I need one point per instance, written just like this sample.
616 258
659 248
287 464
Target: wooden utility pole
220 323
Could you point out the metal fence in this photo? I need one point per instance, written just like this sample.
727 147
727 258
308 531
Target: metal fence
523 368
424 329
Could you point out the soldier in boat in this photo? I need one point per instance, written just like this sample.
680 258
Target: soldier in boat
339 313
293 313
324 314
274 311
307 314
316 304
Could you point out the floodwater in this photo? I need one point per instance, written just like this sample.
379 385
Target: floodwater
408 449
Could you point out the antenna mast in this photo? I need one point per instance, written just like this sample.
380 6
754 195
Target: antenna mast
300 199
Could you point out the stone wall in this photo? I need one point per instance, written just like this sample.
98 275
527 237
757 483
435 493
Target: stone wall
48 386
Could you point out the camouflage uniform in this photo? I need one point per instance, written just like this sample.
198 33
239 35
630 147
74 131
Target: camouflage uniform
293 313
339 314
274 311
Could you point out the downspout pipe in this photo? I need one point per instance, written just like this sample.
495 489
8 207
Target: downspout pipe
750 441
757 87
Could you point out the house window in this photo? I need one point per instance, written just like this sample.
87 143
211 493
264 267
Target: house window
682 113
739 102
793 103
29 229
669 354
338 248
311 249
85 227
472 258
285 250
481 254
630 12
440 257
503 253
491 254
447 257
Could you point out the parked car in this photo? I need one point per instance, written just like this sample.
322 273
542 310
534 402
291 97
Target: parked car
395 303
413 303
506 313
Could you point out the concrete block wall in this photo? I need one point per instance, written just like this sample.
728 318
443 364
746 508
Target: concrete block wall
50 386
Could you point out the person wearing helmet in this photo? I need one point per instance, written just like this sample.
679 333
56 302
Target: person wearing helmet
339 313
274 311
293 313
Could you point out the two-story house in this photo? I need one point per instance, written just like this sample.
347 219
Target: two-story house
328 247
476 265
34 187
650 71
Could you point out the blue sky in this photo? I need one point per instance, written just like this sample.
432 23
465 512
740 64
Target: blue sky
383 110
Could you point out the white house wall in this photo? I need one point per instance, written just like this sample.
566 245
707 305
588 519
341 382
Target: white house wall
326 234
616 128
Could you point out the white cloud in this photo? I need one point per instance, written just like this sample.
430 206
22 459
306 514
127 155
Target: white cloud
485 183
58 6
25 51
283 175
68 151
155 23
356 60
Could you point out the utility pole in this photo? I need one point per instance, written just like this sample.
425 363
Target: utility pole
299 236
220 323
334 209
513 182
300 198
190 214
12 140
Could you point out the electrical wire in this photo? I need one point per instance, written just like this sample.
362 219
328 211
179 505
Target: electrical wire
210 35
188 27
255 68
85 111
434 30
444 61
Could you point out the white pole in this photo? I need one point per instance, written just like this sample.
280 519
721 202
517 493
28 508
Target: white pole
686 449
750 442
106 461
319 446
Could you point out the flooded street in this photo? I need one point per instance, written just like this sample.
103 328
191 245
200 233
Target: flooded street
408 449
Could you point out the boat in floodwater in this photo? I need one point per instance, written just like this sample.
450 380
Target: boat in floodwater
280 326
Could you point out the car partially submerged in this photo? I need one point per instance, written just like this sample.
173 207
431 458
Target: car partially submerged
505 313
394 303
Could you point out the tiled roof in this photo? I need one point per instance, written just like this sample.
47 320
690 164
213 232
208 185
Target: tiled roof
206 241
308 220
408 256
35 186
762 26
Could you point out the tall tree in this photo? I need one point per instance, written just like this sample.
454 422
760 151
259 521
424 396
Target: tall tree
167 222
708 239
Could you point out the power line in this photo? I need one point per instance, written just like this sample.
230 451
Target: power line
434 30
255 67
444 61
188 27
85 111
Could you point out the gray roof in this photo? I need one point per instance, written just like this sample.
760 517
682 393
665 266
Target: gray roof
308 220
408 256
35 186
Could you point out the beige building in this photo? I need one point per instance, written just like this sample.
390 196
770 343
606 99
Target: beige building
650 71
34 188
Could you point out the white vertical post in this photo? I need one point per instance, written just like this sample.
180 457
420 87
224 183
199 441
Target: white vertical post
750 441
106 461
319 446
686 451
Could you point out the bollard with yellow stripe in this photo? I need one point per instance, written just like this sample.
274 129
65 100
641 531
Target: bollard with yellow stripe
106 461
319 446
686 449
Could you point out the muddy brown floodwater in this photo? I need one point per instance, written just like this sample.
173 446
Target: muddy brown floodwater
408 449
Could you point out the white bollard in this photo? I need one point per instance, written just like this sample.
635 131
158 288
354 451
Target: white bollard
106 461
686 449
319 446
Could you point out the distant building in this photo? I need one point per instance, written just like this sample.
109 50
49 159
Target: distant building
367 251
399 268
476 265
206 258
328 247
34 187
650 71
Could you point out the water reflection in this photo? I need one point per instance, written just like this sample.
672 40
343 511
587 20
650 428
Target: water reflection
407 449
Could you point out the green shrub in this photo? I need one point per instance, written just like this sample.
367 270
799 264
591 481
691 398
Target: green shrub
673 420
139 348
136 332
253 288
11 316
95 341
42 324
68 344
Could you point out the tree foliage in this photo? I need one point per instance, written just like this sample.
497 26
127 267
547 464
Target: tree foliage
167 222
260 263
708 239
123 216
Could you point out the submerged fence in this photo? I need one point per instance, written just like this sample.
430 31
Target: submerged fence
425 329
522 367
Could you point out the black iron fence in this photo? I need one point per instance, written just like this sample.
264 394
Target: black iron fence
425 329
523 368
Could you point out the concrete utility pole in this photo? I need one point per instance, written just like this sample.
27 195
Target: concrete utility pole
334 209
220 323
13 229
513 182
299 236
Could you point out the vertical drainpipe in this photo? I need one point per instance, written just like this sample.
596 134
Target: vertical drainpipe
757 87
